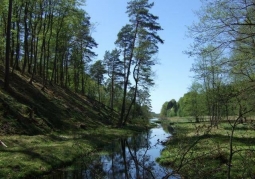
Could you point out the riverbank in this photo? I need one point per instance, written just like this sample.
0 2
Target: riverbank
31 156
131 157
199 151
48 126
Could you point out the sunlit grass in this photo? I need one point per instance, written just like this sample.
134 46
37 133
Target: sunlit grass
198 150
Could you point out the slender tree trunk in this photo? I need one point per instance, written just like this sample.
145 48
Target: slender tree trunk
112 92
48 47
26 53
46 51
127 79
31 50
16 65
54 70
61 68
42 27
135 94
54 75
66 71
42 56
12 45
74 76
230 152
7 50
35 62
36 41
3 35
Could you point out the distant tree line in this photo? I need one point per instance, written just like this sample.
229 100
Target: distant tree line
52 40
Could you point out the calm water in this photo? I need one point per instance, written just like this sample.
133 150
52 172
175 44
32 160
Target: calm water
131 158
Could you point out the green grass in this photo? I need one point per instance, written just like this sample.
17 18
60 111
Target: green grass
50 128
30 156
198 151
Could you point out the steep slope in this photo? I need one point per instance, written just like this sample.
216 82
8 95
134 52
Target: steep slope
27 109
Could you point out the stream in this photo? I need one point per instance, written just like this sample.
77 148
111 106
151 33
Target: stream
130 158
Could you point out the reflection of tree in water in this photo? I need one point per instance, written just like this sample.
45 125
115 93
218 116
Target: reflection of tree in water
129 159
125 159
167 128
94 170
89 167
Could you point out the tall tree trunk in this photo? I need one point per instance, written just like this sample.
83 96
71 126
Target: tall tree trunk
36 41
61 67
35 61
135 94
7 50
48 48
46 51
127 79
31 50
112 92
12 45
54 74
54 70
66 70
42 55
16 65
3 35
26 53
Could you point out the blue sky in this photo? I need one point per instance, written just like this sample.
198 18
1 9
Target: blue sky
173 76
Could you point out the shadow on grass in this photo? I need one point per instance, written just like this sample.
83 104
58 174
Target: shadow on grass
54 108
242 127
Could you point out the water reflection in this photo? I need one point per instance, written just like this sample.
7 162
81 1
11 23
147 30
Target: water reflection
125 159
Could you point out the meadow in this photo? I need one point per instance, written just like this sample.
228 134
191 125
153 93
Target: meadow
199 150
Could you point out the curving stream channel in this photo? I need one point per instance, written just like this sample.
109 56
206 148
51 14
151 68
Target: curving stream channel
130 158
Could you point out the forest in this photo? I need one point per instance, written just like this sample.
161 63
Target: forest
52 40
58 101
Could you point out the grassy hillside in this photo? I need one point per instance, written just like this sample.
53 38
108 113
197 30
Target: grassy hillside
27 109
49 128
